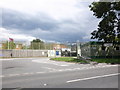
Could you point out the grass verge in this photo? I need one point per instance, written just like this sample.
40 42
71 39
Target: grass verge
69 59
107 60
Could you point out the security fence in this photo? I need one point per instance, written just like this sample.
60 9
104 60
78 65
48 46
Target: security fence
24 45
41 46
100 50
23 53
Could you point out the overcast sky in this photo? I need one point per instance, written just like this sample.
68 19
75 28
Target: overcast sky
49 20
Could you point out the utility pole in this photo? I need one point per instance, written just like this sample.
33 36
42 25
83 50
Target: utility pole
8 44
78 49
39 45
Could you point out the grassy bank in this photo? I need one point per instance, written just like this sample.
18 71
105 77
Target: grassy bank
107 60
69 59
103 60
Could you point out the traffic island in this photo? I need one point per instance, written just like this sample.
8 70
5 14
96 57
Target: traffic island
70 59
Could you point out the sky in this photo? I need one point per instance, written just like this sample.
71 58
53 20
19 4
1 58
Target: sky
48 20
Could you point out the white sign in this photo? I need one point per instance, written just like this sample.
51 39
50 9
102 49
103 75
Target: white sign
17 46
108 44
43 53
51 53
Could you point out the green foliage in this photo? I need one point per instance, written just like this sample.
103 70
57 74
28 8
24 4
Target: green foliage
10 45
37 40
109 26
69 59
37 44
108 60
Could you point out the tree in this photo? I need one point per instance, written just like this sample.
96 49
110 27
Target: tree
109 26
10 44
37 44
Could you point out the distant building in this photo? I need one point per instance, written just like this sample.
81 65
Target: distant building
19 46
59 46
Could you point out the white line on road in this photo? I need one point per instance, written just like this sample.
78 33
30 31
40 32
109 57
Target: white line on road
55 70
14 74
49 68
5 59
76 80
52 62
2 76
39 72
64 65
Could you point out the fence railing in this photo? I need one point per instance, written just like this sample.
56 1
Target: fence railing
23 53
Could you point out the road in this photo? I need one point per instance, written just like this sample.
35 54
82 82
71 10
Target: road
44 73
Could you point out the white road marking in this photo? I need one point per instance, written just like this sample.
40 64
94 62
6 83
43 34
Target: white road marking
76 80
64 65
26 73
5 59
2 76
11 59
13 75
49 68
39 72
56 70
45 84
68 69
51 62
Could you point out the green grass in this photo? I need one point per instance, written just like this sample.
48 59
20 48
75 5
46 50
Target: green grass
107 60
69 59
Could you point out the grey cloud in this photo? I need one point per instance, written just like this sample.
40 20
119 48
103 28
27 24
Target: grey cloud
70 32
45 27
16 20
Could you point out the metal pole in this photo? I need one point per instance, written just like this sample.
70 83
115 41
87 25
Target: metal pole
8 45
39 45
32 45
45 46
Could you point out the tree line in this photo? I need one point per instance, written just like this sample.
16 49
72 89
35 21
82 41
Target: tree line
34 44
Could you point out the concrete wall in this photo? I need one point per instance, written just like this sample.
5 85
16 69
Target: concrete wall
24 53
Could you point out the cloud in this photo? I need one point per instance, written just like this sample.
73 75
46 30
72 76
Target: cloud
6 34
57 9
16 20
54 20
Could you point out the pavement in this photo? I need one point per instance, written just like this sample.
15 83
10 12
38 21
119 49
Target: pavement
45 73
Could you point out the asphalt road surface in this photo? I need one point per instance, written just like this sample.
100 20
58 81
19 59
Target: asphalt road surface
44 73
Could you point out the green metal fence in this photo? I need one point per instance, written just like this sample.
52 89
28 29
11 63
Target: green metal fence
100 50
